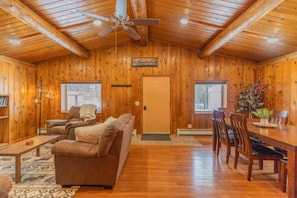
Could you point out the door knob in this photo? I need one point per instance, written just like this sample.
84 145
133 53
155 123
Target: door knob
144 107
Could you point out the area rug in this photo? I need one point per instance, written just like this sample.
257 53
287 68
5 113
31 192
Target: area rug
176 140
38 176
155 137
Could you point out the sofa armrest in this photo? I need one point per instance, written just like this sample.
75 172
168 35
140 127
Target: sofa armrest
52 123
75 124
72 147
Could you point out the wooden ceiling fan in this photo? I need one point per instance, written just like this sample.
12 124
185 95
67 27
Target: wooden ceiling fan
121 19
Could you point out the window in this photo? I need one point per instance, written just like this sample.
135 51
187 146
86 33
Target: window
210 96
78 93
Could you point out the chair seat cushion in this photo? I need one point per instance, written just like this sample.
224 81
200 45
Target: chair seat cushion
281 151
259 149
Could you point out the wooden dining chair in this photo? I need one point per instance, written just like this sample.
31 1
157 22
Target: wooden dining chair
224 135
244 146
279 117
283 174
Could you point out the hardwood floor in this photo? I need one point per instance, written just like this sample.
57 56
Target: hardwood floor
187 172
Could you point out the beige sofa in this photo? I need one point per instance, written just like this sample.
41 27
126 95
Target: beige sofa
86 161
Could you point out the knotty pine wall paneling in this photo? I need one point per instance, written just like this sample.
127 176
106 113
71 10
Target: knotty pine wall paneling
111 67
281 76
17 79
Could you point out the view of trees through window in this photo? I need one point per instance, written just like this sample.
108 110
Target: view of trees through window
210 96
78 93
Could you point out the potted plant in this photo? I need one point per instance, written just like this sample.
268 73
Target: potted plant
251 97
263 114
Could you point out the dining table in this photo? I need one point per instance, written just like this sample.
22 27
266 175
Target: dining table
282 136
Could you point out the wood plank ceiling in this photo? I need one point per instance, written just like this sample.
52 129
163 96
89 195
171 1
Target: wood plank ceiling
239 28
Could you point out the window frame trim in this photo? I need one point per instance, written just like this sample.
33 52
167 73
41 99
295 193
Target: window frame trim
208 82
78 81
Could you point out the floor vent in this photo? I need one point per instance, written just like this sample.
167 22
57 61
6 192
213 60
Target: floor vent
194 131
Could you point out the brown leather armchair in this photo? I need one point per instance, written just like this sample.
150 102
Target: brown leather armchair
73 119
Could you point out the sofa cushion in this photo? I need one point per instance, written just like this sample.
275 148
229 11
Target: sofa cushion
106 140
92 134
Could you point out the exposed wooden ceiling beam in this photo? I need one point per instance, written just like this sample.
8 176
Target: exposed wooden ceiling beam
25 14
252 14
139 11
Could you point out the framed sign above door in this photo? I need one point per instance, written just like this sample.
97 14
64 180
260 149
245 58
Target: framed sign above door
144 61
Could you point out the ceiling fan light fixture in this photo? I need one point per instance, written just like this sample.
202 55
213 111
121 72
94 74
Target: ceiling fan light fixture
14 41
97 22
273 39
184 21
121 19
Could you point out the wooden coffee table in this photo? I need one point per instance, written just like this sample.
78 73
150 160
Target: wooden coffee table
24 146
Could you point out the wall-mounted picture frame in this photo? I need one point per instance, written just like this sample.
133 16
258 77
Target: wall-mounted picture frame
144 61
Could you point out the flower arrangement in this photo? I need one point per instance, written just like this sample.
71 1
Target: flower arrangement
251 96
262 113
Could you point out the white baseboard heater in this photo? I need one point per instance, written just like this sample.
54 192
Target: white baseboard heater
194 131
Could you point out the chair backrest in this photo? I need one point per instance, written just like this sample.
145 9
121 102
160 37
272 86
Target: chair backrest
241 136
73 113
219 121
279 117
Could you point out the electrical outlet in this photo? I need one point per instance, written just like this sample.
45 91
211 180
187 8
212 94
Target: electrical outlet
189 126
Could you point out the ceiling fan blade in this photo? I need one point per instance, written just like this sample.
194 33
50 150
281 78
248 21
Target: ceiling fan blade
106 31
132 33
121 8
145 21
95 16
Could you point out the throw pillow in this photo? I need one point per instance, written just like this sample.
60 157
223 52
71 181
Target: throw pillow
110 119
90 134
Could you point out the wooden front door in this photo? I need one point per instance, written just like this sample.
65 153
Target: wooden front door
156 104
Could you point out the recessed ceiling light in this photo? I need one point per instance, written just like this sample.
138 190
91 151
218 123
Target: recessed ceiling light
272 40
14 41
97 22
184 21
